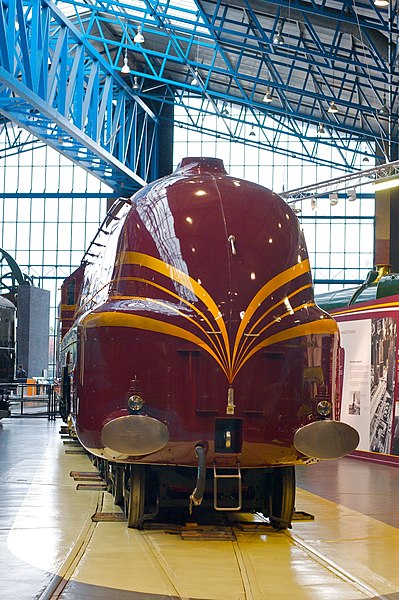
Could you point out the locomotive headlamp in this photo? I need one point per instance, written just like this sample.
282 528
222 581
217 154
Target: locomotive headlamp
135 403
324 408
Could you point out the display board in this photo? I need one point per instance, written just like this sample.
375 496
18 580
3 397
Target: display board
370 389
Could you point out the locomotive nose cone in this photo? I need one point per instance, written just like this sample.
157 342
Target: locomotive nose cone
326 439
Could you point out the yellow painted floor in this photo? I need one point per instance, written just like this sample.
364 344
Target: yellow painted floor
50 548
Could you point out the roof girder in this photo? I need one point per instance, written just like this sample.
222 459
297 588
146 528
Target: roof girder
345 54
339 69
58 87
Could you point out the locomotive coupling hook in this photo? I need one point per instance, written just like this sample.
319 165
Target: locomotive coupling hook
198 493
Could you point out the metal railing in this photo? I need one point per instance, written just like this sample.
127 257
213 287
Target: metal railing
30 399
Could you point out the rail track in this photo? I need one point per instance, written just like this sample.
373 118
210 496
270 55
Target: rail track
232 557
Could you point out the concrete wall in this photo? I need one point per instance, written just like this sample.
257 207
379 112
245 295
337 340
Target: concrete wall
33 309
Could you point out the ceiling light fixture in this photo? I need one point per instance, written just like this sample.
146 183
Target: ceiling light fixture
384 110
278 39
268 96
139 38
195 79
135 85
381 3
224 110
252 132
332 109
125 68
366 159
320 128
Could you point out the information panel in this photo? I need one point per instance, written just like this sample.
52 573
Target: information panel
368 405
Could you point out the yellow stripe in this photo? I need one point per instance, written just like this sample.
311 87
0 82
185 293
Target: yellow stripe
365 308
144 260
279 280
181 314
180 299
320 326
240 361
117 319
222 354
249 343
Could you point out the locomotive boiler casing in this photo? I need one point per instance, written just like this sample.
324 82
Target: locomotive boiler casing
196 325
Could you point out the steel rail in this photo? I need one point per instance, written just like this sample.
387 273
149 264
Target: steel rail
68 567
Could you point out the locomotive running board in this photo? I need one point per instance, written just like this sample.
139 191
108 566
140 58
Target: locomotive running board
217 476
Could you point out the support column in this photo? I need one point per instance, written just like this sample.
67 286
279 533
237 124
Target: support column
386 248
33 309
166 130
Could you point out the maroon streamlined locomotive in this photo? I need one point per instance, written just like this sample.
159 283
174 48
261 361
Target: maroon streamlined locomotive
193 354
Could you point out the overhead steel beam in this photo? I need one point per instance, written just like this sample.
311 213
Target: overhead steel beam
323 17
345 54
345 182
186 42
237 60
318 45
58 87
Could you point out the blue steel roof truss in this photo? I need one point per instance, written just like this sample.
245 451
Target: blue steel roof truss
334 50
59 88
228 45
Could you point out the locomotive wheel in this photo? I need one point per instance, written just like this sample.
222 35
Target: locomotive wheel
134 503
117 485
281 497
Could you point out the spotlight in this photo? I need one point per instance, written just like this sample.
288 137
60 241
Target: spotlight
352 194
384 111
278 39
224 110
333 198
